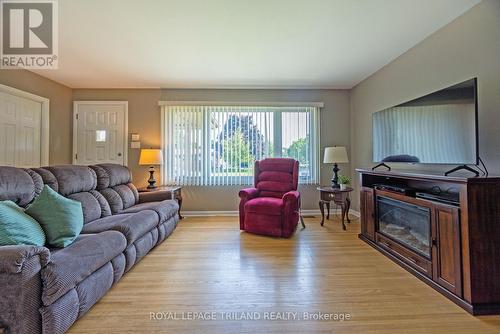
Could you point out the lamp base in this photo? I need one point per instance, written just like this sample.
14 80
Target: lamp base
335 180
151 180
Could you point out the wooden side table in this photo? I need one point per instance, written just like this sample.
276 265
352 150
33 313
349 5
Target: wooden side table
175 193
339 197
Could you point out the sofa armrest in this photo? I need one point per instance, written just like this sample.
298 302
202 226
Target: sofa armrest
154 196
13 258
246 195
21 288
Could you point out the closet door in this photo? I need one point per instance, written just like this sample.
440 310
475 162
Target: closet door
20 131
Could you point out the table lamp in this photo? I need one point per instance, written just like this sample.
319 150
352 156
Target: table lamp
151 156
335 155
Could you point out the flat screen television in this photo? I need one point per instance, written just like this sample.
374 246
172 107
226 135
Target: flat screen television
438 128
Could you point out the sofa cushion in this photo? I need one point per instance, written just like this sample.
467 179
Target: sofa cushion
265 205
94 205
71 265
61 218
18 228
73 179
128 194
47 177
132 226
19 185
165 209
78 183
114 175
120 197
102 177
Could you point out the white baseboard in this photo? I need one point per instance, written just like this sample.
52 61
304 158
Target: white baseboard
209 213
314 212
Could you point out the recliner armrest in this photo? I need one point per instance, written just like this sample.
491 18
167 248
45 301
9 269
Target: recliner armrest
291 196
12 258
291 201
248 193
245 195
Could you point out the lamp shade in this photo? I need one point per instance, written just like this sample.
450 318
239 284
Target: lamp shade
336 154
151 156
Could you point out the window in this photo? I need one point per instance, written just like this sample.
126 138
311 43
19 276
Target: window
100 135
218 145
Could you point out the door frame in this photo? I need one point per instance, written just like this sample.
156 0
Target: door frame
44 122
75 126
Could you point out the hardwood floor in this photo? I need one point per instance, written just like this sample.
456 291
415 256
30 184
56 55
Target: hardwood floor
207 265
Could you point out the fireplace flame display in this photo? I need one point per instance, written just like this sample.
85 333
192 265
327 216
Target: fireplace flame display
405 223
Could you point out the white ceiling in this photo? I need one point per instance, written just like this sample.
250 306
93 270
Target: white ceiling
239 43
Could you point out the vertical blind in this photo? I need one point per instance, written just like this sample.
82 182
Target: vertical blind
218 145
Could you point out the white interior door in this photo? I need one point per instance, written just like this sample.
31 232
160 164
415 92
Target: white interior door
100 132
20 131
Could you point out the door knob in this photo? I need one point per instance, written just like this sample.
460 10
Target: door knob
119 154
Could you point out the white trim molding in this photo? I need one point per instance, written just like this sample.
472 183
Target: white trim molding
162 147
304 213
209 213
239 104
45 125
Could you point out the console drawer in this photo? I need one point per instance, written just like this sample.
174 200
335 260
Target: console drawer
411 258
326 196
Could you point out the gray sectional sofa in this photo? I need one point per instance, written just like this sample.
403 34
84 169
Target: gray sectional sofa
44 290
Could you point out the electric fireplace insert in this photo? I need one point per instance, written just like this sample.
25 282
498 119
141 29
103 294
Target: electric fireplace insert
405 223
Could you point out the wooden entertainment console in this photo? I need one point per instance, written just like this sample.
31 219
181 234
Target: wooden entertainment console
459 255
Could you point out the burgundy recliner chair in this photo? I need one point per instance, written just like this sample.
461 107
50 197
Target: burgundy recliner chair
272 207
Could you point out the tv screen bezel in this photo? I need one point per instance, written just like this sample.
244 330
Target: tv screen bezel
476 129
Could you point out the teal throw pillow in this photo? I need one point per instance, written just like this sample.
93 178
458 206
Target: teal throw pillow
61 218
18 228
